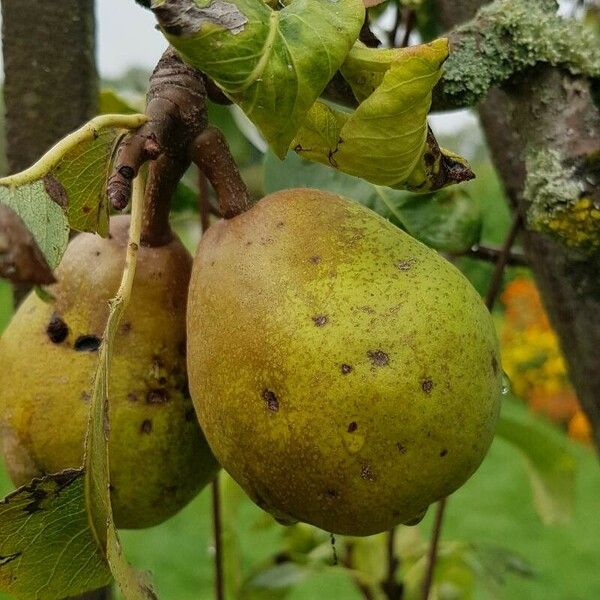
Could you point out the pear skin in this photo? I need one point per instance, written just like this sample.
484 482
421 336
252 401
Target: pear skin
159 459
344 374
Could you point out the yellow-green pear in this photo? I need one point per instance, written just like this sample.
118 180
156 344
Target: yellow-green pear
343 373
159 458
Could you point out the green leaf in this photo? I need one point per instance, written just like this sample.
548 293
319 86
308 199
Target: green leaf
272 63
275 581
449 221
43 217
112 102
550 465
67 186
133 585
386 140
47 549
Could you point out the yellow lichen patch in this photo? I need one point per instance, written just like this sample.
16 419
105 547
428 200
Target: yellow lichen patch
532 359
577 224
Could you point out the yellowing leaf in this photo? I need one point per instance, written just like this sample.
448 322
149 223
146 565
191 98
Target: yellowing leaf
386 140
47 549
273 63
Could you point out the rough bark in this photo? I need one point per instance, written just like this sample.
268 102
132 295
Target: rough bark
547 110
50 80
50 85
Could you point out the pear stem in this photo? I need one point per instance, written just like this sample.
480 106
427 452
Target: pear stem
491 296
211 154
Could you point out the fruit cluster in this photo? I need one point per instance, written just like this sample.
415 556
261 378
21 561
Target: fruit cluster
343 373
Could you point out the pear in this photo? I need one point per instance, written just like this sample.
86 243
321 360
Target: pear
159 459
343 373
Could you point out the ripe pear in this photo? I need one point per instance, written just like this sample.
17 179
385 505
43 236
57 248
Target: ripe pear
159 459
343 373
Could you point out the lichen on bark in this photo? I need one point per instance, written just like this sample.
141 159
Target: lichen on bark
508 36
561 202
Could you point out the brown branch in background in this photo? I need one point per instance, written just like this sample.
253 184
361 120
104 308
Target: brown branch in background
489 254
211 154
218 538
391 588
494 287
410 20
348 562
433 548
366 36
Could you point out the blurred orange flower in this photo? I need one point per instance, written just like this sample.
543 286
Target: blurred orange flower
533 362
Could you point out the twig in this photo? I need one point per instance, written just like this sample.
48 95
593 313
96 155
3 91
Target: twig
217 532
410 20
392 34
433 547
348 563
211 154
496 280
490 299
490 254
391 588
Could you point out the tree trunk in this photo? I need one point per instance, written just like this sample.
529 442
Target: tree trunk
50 80
547 109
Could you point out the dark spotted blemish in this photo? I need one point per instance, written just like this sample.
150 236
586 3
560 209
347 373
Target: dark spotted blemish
162 380
352 427
57 330
367 473
158 396
320 320
332 494
427 385
146 426
190 415
171 489
378 358
401 448
494 364
125 328
248 243
280 224
271 399
87 343
36 496
406 264
98 253
315 260
345 369
443 452
132 397
85 396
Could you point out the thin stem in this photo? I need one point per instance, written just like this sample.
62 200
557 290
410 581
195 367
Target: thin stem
217 532
491 296
491 254
496 281
349 564
410 20
211 154
433 547
390 586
